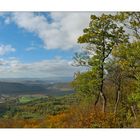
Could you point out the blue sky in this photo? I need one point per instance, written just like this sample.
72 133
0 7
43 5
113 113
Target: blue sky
29 47
40 44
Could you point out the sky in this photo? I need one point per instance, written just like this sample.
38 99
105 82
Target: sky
40 44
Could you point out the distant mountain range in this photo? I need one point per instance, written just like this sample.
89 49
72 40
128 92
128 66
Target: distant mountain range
55 80
34 86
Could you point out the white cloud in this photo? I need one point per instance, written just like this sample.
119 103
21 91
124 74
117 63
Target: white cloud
4 49
30 49
57 67
7 20
61 33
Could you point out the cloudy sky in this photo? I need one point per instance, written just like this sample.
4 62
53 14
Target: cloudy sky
40 44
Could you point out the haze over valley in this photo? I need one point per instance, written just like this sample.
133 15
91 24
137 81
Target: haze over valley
32 86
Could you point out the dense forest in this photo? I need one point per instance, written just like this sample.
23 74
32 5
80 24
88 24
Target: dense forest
107 94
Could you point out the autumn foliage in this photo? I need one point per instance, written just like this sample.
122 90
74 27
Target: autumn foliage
75 117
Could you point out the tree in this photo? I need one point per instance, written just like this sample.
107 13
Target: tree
115 75
131 20
123 63
85 83
128 59
100 37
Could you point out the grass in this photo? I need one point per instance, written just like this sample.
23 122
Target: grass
26 99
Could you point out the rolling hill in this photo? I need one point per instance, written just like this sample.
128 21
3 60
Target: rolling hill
34 87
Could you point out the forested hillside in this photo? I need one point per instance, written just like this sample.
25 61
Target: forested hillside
34 87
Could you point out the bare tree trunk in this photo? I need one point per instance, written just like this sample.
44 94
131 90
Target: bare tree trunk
97 100
117 101
104 101
101 94
101 89
133 112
